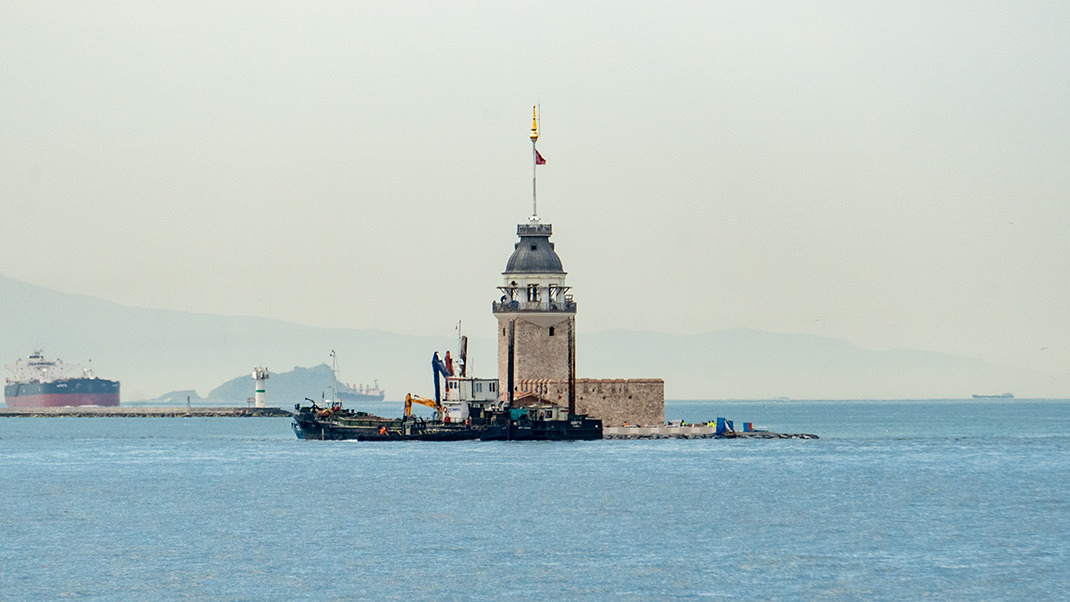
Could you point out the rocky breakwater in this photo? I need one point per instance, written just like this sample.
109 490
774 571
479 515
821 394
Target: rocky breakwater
697 431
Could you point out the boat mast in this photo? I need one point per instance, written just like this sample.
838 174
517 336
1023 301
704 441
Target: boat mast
462 351
534 162
334 374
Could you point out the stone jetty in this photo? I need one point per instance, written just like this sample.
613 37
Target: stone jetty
151 412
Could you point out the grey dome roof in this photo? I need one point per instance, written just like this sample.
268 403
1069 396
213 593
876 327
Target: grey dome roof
534 253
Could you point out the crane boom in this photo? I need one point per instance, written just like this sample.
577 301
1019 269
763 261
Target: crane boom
411 399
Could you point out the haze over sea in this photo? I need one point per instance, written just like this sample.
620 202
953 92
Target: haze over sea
898 500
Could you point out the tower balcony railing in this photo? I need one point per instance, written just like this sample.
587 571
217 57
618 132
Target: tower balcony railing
534 230
532 306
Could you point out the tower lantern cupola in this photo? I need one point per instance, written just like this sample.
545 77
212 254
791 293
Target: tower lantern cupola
533 278
536 314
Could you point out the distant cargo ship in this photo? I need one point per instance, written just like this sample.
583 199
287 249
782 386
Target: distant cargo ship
361 393
999 396
42 383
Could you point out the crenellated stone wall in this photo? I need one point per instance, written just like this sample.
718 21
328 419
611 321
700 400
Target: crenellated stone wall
636 401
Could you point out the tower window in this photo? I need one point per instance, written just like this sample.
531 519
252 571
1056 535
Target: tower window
551 331
533 292
534 247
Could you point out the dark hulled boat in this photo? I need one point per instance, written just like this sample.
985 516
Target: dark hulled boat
470 409
338 423
541 424
544 423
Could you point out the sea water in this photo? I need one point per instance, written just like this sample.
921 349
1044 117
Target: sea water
941 500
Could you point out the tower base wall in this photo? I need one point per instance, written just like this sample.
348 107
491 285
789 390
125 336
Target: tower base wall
541 346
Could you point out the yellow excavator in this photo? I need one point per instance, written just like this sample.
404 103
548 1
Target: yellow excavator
411 399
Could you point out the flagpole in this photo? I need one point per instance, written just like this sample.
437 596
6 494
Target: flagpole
534 162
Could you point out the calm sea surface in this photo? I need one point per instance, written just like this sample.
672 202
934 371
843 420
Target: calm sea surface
899 500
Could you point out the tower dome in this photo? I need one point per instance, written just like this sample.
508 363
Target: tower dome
534 254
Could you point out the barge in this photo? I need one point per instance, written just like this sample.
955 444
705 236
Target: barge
470 409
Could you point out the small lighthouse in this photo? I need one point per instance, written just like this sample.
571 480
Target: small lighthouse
260 374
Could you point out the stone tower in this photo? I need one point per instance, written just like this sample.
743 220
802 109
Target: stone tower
536 315
537 333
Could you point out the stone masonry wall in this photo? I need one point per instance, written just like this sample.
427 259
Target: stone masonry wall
638 401
538 355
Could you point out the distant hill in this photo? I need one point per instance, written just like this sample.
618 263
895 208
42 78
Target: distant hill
155 351
755 364
283 387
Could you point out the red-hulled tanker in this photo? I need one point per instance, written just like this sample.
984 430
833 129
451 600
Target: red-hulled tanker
42 383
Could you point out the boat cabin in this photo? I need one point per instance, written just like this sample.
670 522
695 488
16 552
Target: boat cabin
469 397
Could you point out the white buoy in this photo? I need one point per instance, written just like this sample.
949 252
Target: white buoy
260 374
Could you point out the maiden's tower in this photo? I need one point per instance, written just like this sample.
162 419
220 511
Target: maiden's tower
536 315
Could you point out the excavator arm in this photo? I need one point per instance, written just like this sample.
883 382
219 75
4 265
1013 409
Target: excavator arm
411 399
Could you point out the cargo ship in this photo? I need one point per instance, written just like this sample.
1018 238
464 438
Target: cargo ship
352 392
43 383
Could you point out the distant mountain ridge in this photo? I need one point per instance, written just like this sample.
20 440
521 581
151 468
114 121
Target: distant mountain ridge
152 351
743 363
155 351
283 388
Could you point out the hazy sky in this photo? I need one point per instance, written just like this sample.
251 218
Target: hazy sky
890 173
